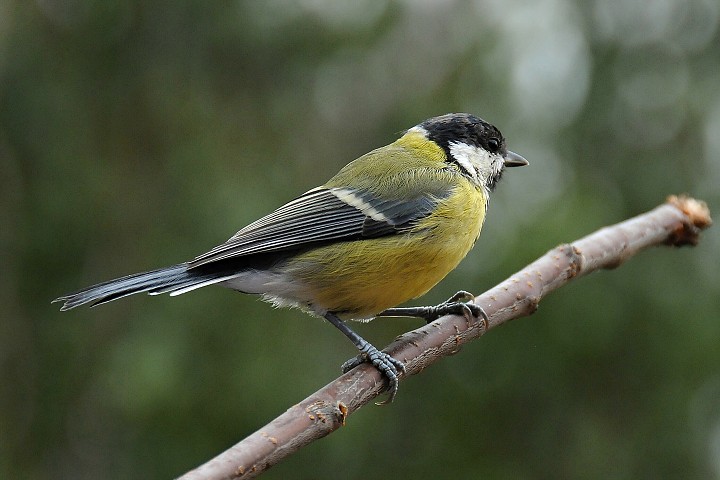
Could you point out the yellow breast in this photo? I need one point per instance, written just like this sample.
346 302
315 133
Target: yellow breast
360 279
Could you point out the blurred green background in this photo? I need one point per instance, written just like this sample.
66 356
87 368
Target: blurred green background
135 135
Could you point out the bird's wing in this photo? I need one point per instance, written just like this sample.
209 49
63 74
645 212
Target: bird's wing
323 215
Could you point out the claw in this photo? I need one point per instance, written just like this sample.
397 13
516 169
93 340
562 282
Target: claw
354 362
472 311
386 364
390 367
460 296
458 304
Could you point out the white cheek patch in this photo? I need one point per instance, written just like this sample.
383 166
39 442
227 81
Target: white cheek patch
467 156
476 161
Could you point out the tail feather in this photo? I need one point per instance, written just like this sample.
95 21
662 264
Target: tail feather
164 280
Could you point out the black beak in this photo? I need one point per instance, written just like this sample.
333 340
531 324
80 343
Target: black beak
512 159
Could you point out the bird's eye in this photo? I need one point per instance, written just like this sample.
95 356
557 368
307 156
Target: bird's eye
494 145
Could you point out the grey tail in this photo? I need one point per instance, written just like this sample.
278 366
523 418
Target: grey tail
177 279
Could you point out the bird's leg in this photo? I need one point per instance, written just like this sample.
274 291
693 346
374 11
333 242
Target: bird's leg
458 304
387 365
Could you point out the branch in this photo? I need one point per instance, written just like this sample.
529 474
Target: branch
677 222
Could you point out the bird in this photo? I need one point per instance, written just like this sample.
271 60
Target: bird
385 229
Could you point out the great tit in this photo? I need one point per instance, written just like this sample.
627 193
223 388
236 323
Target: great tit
386 229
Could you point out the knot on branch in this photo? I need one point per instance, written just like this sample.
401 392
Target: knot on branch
698 218
333 414
575 259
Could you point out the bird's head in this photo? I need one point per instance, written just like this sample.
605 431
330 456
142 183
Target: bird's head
476 147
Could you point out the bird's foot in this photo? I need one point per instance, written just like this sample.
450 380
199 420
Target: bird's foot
386 364
458 304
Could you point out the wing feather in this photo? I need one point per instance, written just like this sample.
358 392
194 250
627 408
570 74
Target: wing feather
322 215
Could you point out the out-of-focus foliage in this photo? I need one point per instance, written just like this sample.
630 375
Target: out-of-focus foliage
138 134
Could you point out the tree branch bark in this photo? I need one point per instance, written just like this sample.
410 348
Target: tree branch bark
677 222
